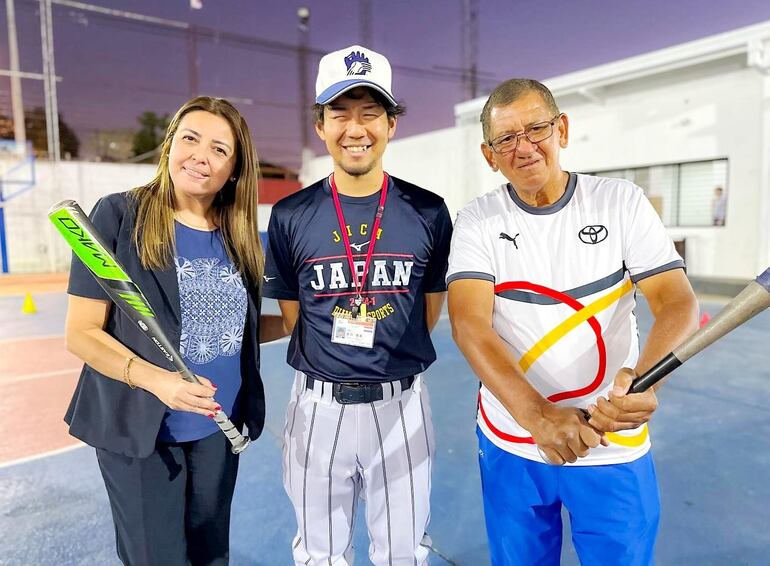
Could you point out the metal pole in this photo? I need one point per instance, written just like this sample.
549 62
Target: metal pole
52 90
303 13
17 101
470 46
46 77
366 22
49 81
192 60
474 48
3 237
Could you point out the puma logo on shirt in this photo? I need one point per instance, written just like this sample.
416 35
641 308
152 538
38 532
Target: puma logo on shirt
504 236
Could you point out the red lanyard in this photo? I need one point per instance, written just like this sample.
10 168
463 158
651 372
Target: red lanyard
373 238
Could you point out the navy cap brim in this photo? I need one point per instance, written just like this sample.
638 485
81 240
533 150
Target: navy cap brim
343 86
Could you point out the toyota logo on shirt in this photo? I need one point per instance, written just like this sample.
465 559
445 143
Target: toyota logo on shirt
593 234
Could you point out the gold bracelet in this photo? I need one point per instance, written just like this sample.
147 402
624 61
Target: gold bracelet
126 368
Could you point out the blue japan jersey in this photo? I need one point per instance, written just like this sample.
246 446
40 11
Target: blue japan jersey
307 262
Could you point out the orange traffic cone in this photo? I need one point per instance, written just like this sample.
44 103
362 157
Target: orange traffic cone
28 307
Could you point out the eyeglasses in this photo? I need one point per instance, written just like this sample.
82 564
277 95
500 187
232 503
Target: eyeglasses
507 143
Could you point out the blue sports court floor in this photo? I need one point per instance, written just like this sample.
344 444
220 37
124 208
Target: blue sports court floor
710 436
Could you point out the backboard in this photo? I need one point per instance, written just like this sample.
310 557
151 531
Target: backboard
17 169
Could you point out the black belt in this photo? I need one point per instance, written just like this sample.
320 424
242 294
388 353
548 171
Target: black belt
353 393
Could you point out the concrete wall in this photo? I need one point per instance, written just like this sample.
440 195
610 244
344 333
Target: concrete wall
447 162
32 243
704 113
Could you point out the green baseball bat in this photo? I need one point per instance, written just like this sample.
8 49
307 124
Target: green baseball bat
81 235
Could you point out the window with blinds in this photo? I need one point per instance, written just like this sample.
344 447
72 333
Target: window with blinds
684 194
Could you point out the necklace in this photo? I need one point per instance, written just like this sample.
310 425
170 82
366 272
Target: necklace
205 225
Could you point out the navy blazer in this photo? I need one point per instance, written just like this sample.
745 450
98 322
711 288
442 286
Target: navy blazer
108 414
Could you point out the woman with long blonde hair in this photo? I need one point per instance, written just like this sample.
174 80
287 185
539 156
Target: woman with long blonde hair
189 239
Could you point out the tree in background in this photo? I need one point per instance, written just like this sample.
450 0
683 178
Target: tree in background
150 134
34 122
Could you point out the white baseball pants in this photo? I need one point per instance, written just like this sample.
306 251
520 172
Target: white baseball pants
380 451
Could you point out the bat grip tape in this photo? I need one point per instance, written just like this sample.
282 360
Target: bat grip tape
188 375
655 374
764 279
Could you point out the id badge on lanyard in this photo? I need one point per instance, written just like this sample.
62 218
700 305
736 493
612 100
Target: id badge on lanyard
354 331
358 329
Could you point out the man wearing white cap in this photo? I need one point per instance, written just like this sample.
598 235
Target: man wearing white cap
357 261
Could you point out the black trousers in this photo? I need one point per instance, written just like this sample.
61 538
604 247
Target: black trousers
173 507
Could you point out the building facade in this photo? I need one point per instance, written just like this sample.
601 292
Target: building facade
690 124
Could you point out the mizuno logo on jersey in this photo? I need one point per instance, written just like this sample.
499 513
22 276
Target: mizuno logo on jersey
359 247
384 273
504 236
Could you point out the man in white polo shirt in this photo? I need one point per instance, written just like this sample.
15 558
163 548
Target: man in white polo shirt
542 278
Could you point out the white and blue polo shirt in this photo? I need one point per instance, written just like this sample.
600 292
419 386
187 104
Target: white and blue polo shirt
564 280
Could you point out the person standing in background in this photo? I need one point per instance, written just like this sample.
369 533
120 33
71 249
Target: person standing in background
719 207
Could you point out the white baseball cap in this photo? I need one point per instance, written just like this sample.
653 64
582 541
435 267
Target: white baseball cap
343 70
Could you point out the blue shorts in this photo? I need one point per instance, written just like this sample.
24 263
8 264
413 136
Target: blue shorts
614 509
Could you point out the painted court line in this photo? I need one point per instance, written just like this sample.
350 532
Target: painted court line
51 336
42 455
42 375
61 372
274 342
30 338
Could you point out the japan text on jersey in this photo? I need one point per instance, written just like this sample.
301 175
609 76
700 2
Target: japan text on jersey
307 261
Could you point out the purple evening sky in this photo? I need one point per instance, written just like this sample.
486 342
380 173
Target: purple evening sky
112 69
